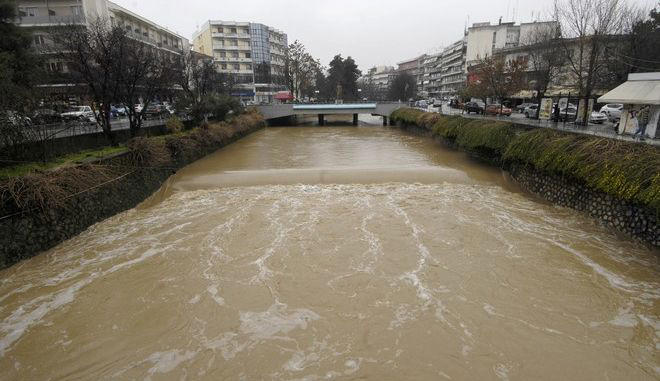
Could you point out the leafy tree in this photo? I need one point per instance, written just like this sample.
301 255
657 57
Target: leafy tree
403 87
637 49
20 67
342 78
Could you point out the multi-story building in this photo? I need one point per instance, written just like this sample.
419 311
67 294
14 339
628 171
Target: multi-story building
251 54
379 79
414 68
453 71
429 75
42 17
484 39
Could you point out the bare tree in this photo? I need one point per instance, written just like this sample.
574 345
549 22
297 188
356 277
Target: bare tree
498 77
92 53
301 69
195 74
143 73
544 58
587 27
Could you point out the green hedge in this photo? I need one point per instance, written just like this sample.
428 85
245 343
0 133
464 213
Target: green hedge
627 170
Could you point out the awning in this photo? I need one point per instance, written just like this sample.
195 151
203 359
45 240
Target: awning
640 89
283 96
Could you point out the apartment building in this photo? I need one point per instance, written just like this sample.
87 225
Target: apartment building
484 39
453 69
429 74
41 17
414 68
251 54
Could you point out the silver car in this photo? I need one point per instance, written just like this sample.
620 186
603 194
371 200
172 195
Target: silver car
612 110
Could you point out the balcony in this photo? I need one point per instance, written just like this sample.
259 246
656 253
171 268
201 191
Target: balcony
234 59
45 20
231 47
231 35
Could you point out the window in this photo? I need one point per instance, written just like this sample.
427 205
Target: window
51 12
248 66
234 54
232 30
237 67
27 11
248 55
223 66
220 30
233 43
223 54
38 39
55 67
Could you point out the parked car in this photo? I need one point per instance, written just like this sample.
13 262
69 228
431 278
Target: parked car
521 108
421 104
81 113
473 107
121 110
613 111
568 114
597 117
497 109
46 116
155 111
531 111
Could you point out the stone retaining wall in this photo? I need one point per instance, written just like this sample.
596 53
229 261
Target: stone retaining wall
623 216
26 233
633 220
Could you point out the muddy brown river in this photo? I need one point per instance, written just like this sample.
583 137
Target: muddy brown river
314 253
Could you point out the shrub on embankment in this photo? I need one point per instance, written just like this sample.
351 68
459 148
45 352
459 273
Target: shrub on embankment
43 208
625 170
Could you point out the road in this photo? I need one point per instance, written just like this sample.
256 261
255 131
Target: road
62 130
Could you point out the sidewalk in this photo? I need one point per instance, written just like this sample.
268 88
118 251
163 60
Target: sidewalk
605 130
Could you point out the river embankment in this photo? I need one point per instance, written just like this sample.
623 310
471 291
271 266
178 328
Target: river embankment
41 209
615 182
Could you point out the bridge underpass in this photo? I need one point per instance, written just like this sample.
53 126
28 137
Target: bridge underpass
277 111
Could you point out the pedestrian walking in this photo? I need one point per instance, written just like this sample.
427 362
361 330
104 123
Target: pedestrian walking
635 124
642 123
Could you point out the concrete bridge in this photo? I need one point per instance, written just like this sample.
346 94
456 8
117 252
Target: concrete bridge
276 111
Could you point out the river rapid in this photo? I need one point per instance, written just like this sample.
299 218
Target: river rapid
314 253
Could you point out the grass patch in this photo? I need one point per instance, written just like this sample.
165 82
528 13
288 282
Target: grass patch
62 161
626 170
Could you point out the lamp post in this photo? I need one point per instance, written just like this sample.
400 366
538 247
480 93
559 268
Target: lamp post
360 94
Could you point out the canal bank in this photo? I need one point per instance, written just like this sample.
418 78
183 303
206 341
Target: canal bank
40 210
615 182
286 255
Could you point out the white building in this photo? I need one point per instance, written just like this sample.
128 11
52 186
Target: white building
252 54
42 16
483 39
453 69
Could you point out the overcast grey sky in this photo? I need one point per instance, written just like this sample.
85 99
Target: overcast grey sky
373 32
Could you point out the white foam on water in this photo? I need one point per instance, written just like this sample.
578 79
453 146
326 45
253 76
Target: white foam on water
625 318
213 290
165 362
